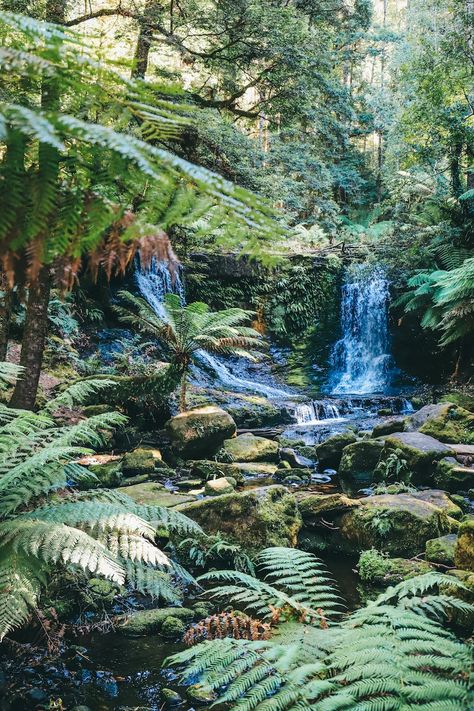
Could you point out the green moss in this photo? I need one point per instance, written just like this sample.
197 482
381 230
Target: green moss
154 494
452 476
453 424
358 462
248 448
464 551
146 622
140 461
462 399
375 568
441 550
173 628
329 453
200 432
107 475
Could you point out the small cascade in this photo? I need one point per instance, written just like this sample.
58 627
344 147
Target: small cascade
307 413
360 361
156 281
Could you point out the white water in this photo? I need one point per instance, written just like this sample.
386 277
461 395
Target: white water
316 411
154 283
360 361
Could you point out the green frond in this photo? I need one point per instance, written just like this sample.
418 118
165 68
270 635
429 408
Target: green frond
10 372
80 393
157 584
21 579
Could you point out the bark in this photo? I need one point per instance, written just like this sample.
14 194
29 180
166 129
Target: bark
34 337
145 39
5 315
182 396
455 170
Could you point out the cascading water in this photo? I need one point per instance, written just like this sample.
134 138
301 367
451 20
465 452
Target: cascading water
316 411
154 283
360 361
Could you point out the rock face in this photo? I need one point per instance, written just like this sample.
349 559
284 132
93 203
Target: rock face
312 507
201 431
418 419
420 451
216 487
464 551
206 469
452 476
399 523
329 453
358 462
259 518
441 550
248 448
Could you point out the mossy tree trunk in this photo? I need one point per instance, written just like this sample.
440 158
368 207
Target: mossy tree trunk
183 392
6 300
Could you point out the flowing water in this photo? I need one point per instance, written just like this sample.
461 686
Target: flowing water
360 361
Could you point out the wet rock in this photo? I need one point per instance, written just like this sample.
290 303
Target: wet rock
100 593
258 518
464 551
200 695
200 431
141 461
295 460
463 399
173 628
358 462
420 451
170 697
399 523
284 464
313 506
441 550
394 424
377 569
141 623
292 476
206 469
108 475
452 476
329 453
451 423
249 448
217 487
155 494
418 419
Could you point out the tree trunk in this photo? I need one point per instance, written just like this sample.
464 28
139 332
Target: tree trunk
455 170
5 315
34 337
182 396
145 39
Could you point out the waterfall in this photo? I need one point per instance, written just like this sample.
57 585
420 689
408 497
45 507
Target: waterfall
360 361
307 413
154 283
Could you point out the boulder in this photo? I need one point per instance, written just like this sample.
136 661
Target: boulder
463 399
441 550
249 448
329 453
420 451
107 475
450 423
216 487
313 506
464 551
399 523
141 623
295 460
358 462
141 461
394 424
205 469
292 476
451 476
258 518
377 569
154 494
418 419
200 431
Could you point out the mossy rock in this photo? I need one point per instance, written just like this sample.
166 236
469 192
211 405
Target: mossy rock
358 461
292 476
376 569
420 451
394 424
464 551
173 628
154 494
217 487
141 461
200 431
329 453
107 476
313 506
441 550
100 593
462 399
451 476
258 518
142 623
249 448
399 524
451 424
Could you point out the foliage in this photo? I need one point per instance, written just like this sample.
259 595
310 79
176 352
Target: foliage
372 565
214 551
394 468
45 523
190 330
389 655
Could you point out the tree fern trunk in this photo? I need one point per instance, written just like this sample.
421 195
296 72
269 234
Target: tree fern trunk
34 337
182 396
5 315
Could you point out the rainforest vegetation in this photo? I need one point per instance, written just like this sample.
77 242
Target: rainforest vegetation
236 355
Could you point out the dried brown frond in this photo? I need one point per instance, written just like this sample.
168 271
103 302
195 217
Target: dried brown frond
227 624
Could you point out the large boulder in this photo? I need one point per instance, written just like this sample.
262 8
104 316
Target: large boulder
217 487
358 462
450 423
464 551
142 461
329 453
420 451
249 448
399 523
451 476
154 494
258 518
387 427
200 431
314 506
441 550
418 419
